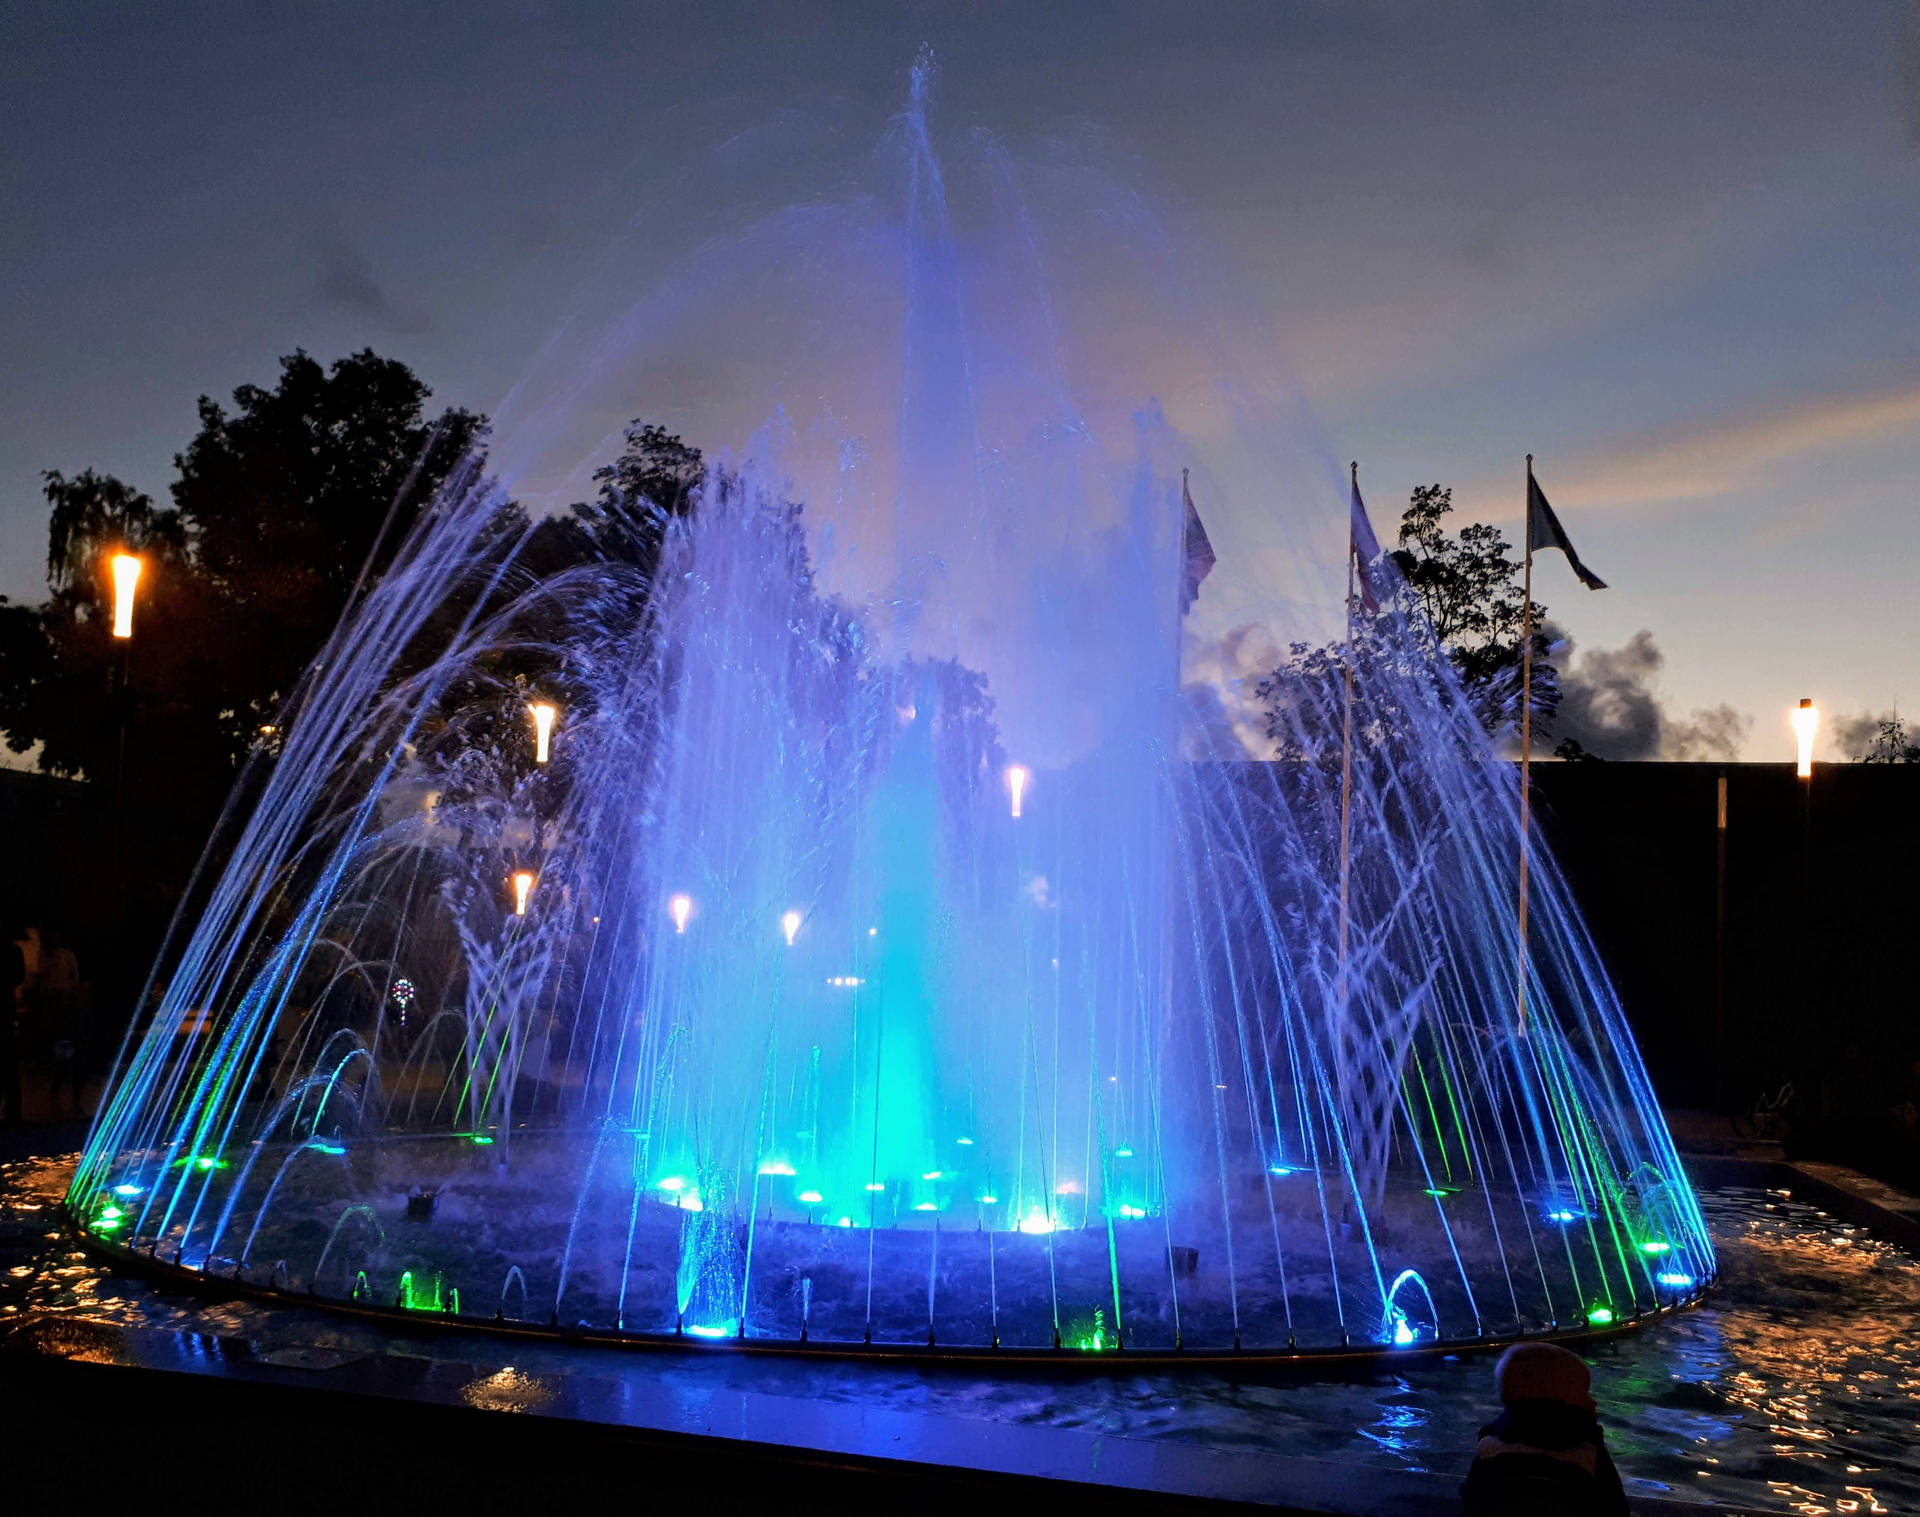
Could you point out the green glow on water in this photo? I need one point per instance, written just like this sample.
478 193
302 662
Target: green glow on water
479 1138
1655 1246
1600 1316
106 1224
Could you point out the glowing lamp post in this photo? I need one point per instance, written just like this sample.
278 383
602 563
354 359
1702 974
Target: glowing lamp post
126 575
544 714
1017 784
522 887
1806 722
680 908
790 925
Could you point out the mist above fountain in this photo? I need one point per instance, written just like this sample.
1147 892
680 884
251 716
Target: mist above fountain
885 953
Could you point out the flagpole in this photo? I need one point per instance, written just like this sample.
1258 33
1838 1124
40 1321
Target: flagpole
1526 742
1346 759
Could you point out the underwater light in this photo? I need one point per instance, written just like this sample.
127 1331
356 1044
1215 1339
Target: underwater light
1017 784
1563 1216
876 1185
1132 1211
926 1206
1403 1332
543 713
522 885
790 925
1036 1221
989 1200
479 1139
691 1202
964 1142
1674 1278
105 1224
680 908
1600 1316
811 1197
844 1222
126 575
111 1214
1282 1170
126 1190
710 1330
932 1174
673 1183
777 1167
1655 1246
1123 1153
207 1161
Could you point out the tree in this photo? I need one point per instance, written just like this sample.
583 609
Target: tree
1455 597
1891 744
280 507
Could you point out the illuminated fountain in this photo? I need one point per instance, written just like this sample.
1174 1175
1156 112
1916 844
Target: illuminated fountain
765 996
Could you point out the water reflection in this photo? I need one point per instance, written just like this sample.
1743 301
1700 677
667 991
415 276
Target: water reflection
1796 1388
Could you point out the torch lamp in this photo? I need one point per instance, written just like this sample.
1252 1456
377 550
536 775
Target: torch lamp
1806 722
544 715
126 575
522 888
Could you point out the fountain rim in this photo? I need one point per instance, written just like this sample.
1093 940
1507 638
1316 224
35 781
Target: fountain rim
204 1281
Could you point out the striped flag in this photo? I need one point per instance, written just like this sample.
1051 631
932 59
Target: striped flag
1196 552
1364 547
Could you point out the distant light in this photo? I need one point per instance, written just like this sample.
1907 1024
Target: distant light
1655 1246
1674 1278
126 1190
544 713
1563 1216
673 1183
876 1185
926 1206
790 925
126 575
845 981
873 932
681 908
1132 1211
1806 722
989 1200
964 1142
811 1197
1123 1153
932 1174
1067 1188
1600 1316
1017 784
1281 1170
522 885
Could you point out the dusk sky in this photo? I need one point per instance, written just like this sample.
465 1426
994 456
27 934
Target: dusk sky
1671 250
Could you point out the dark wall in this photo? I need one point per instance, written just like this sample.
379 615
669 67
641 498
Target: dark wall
1820 922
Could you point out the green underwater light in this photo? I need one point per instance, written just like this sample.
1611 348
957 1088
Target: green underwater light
1655 1246
1600 1316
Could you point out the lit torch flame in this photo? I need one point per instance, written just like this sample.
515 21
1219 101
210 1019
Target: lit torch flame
1806 722
126 574
522 885
1017 783
681 908
544 713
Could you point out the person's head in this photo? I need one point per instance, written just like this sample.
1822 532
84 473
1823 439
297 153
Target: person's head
1543 1372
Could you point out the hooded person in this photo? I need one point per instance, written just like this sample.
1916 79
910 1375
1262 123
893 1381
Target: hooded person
1545 1452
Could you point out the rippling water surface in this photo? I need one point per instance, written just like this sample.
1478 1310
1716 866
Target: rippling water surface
1796 1388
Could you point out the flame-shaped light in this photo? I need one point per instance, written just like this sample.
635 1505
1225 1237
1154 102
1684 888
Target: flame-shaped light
680 908
522 887
1806 722
1017 783
790 925
126 574
544 713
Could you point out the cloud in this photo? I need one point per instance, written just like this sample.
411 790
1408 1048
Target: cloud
1610 706
1220 675
1713 459
347 282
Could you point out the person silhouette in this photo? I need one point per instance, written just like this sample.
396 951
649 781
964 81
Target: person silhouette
1545 1452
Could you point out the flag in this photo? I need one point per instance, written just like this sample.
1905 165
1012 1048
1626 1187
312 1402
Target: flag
1364 547
1544 531
1196 552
